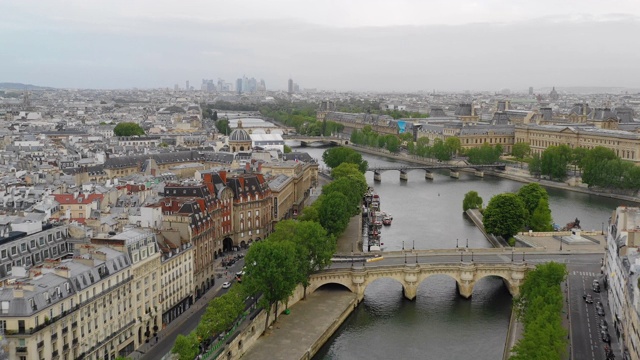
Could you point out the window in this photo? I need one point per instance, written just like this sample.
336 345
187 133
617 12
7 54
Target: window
3 253
4 307
23 247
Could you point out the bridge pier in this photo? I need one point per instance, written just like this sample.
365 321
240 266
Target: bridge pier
428 175
479 173
404 176
465 288
454 174
377 177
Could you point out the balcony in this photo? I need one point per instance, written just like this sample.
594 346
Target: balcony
65 347
21 350
65 330
74 324
55 355
54 337
40 344
75 342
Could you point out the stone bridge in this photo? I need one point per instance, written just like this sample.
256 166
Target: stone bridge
307 140
410 276
428 169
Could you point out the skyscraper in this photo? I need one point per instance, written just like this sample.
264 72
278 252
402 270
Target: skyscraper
239 86
290 88
187 88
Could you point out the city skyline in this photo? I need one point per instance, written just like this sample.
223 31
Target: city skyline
359 46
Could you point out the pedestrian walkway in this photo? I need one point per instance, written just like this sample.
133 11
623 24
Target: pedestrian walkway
295 334
167 335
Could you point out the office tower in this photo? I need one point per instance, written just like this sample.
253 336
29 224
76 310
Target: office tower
239 86
290 88
187 88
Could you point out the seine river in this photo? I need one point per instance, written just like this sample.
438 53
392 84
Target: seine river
439 324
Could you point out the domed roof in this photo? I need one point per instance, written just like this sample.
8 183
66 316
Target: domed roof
239 134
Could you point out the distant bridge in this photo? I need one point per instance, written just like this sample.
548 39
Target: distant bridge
316 140
428 169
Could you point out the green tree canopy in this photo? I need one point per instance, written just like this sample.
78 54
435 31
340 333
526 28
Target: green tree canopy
334 213
287 149
348 188
128 129
505 215
338 155
471 201
223 126
221 313
440 151
273 270
315 248
485 154
453 145
520 150
554 161
186 347
531 195
540 219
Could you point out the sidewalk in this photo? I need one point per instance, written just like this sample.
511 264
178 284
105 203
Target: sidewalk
157 349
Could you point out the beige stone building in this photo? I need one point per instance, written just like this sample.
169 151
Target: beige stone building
72 309
290 185
624 143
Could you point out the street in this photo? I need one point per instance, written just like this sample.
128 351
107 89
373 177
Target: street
188 320
585 332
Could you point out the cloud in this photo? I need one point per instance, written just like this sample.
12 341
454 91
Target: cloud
345 45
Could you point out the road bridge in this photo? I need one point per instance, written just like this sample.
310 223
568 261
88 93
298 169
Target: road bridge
316 140
454 169
410 275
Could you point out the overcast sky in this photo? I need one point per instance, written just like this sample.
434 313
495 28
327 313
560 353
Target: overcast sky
400 45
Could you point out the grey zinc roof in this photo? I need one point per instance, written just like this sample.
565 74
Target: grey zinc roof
277 182
44 287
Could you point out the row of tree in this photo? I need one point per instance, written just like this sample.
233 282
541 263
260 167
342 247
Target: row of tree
368 137
304 121
539 308
508 213
601 167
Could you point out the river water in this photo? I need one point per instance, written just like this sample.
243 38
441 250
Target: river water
439 324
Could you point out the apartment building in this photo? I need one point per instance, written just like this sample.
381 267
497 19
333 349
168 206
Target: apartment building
622 277
176 274
79 308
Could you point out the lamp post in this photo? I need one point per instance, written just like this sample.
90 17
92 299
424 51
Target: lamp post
523 256
511 255
416 258
402 245
414 244
405 258
603 228
467 244
472 256
456 244
461 256
560 244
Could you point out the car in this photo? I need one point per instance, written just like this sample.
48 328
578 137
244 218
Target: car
589 299
240 273
600 311
595 288
226 285
603 322
598 304
605 336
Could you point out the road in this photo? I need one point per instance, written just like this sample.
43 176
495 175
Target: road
477 256
188 320
585 334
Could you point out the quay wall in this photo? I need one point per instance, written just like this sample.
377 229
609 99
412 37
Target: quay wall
511 174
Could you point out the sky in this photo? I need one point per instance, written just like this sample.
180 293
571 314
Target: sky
360 45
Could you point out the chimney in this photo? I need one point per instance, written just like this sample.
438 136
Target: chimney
247 167
18 293
63 271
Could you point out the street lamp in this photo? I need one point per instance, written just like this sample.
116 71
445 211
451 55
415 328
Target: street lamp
603 228
461 256
405 258
561 244
416 258
511 255
472 256
467 244
414 244
523 256
456 244
402 245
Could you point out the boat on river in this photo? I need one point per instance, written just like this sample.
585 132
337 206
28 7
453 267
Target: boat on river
386 219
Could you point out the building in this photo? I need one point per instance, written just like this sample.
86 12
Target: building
622 277
625 144
291 183
142 249
25 243
252 208
176 275
80 308
290 87
239 139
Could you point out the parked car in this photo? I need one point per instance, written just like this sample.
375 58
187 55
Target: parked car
589 299
605 336
226 285
600 311
595 288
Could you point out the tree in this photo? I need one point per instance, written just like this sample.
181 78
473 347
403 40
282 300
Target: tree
504 215
453 145
287 149
351 189
535 166
221 313
223 126
554 162
540 219
440 151
186 347
520 150
471 201
315 247
214 116
128 129
338 155
485 154
334 213
392 143
577 157
596 168
531 195
273 271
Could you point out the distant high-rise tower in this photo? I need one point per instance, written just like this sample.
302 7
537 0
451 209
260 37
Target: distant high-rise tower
290 88
26 101
239 86
187 88
530 90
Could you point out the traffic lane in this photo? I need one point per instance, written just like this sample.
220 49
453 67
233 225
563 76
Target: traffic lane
466 257
193 314
585 322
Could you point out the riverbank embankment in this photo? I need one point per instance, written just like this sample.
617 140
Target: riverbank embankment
512 173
